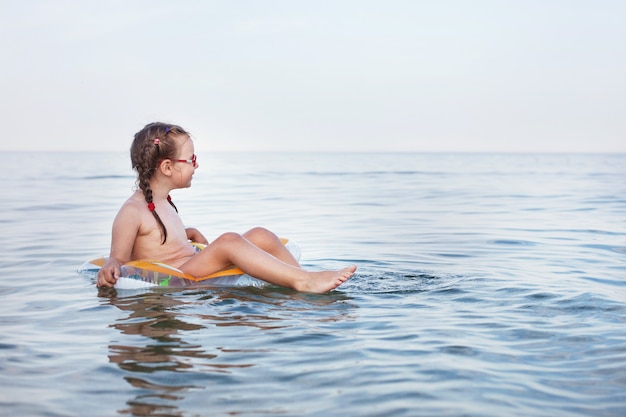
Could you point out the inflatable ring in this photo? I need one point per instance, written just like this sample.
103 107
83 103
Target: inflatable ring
147 273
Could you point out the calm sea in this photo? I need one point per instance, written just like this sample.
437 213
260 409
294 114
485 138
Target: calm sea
488 285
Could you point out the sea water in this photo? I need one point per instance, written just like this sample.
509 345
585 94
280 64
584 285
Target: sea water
488 285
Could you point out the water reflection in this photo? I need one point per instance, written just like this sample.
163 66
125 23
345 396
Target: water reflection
176 344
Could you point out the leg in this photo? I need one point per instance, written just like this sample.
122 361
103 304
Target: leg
234 249
271 244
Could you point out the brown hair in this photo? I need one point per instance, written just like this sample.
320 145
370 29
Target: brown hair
152 144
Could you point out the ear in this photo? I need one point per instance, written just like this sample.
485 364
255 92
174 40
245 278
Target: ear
165 166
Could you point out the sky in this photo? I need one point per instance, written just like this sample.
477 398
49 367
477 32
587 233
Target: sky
323 75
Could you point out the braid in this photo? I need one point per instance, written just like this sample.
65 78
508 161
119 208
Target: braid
153 144
169 200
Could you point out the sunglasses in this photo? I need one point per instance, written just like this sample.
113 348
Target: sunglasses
193 161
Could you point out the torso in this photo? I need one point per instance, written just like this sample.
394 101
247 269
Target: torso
148 244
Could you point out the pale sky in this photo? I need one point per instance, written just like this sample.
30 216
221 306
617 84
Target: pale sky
340 75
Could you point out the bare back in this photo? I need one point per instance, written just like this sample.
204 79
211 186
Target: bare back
135 221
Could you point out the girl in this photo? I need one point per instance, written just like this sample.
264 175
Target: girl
148 226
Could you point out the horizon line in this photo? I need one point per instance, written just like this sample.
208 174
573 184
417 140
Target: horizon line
597 152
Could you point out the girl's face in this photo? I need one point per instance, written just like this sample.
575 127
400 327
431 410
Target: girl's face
185 165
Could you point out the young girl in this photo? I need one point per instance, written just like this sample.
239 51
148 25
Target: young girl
148 226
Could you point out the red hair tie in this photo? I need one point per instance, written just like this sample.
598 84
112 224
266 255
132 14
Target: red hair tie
151 206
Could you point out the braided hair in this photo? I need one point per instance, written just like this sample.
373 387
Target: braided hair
152 144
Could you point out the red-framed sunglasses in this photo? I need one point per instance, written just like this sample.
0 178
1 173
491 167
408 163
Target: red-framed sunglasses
193 161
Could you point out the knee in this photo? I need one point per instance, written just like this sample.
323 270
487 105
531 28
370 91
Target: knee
229 237
260 236
258 232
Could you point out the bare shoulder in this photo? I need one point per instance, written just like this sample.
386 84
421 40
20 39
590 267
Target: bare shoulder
134 204
126 229
131 213
131 207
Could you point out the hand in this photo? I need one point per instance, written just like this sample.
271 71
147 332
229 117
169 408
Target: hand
109 273
194 235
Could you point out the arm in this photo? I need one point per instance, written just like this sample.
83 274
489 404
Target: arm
124 233
194 235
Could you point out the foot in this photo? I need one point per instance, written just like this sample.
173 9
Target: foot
322 282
